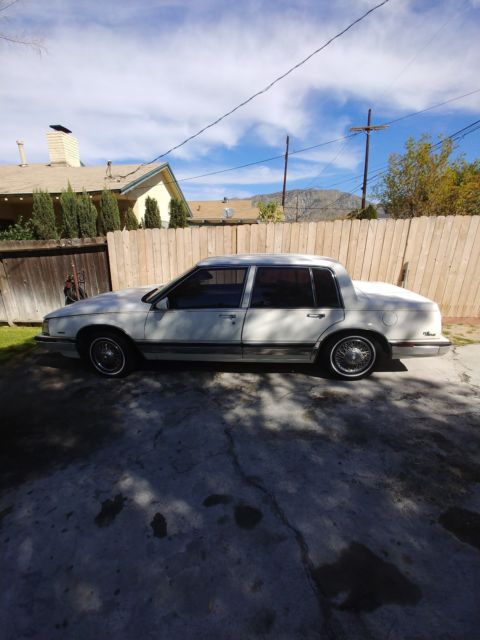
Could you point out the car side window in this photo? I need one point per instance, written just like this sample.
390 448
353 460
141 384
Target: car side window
282 288
326 292
209 289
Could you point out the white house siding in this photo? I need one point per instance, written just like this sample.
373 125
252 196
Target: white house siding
158 191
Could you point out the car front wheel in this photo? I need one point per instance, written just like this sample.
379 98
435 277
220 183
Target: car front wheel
111 354
351 357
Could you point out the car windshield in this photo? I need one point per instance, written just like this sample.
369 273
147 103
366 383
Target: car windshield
148 297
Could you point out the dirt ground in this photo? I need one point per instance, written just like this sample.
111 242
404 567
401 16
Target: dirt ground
240 501
462 333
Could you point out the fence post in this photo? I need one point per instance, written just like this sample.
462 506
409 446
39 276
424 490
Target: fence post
9 303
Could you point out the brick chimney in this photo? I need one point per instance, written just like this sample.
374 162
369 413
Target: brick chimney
62 147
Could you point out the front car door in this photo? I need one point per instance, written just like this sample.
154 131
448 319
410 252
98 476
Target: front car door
290 307
201 318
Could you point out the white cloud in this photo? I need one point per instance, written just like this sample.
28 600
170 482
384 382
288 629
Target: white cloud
133 79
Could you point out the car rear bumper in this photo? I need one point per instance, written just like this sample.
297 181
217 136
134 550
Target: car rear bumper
65 346
419 348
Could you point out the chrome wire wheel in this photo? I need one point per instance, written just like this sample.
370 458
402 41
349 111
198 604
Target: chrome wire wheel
107 356
352 357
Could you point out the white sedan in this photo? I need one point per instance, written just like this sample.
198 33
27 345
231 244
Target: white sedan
251 308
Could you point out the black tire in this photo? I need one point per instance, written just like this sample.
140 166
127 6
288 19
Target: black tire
351 356
111 354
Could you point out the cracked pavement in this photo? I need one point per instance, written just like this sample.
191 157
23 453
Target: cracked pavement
240 501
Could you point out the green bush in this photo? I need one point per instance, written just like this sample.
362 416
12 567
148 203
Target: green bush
87 216
109 215
369 213
130 222
270 212
152 218
18 231
69 205
178 214
43 216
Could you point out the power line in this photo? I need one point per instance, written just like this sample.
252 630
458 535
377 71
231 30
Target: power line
435 106
323 144
262 91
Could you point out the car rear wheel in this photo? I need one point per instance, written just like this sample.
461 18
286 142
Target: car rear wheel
111 354
351 357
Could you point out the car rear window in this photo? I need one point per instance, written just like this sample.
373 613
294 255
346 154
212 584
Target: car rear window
282 288
326 292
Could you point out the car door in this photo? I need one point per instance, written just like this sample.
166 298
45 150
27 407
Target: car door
200 319
290 307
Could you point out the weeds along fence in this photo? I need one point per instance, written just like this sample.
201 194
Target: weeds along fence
33 273
438 257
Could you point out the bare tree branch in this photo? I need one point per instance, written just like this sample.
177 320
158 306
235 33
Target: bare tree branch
34 43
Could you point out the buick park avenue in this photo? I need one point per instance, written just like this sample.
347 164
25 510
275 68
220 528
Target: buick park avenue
251 308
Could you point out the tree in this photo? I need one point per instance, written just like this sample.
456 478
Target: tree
87 216
13 38
109 216
69 205
425 182
18 231
270 212
369 213
152 218
130 221
43 216
178 214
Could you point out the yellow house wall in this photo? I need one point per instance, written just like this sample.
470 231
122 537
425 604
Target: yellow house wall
153 190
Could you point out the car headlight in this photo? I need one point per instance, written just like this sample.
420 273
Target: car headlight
45 328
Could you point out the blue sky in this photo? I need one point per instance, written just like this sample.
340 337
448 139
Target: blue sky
132 79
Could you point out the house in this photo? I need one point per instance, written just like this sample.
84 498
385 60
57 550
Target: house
130 184
226 211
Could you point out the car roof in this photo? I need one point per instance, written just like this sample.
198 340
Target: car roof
268 259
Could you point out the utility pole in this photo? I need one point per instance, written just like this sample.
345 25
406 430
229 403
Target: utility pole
285 174
367 130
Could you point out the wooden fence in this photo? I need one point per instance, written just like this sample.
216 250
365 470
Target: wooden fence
32 275
438 257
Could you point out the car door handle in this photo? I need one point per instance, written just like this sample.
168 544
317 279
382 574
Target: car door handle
315 315
227 315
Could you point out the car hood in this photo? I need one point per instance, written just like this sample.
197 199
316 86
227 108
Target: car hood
125 301
384 296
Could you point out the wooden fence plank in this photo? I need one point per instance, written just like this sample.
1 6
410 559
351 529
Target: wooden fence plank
377 250
112 256
466 271
451 233
278 238
453 274
286 238
312 230
336 239
360 253
352 249
319 239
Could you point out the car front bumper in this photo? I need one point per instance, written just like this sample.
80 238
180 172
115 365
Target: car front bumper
419 348
65 346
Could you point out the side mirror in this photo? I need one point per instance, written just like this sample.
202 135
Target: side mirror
162 305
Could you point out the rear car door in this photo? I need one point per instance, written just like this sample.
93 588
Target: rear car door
290 307
201 318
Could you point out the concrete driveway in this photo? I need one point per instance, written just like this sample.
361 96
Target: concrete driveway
237 502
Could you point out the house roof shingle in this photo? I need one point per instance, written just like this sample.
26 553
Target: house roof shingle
215 209
17 180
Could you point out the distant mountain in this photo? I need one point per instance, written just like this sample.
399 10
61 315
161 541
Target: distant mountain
313 204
